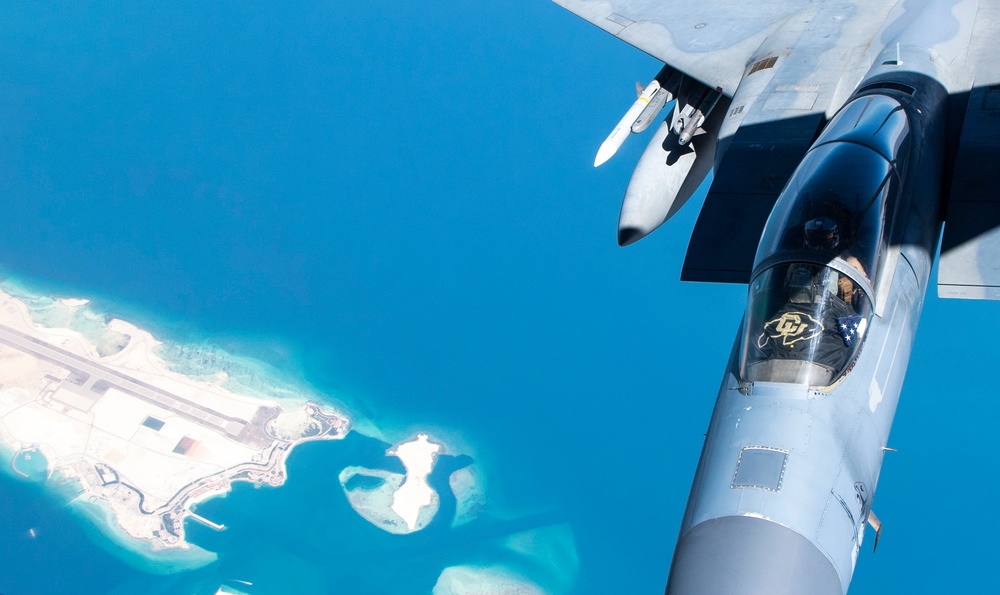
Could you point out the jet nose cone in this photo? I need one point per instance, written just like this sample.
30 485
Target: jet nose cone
630 235
749 555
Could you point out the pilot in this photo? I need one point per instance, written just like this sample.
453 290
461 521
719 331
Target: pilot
822 234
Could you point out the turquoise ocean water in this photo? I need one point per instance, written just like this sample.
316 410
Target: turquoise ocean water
301 537
392 206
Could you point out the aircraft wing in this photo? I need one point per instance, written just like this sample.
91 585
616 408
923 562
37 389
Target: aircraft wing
812 52
826 47
711 41
969 267
714 41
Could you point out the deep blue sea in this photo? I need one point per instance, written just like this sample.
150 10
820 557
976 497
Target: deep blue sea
392 206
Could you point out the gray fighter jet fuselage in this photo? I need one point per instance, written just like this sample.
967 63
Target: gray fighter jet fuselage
793 451
845 205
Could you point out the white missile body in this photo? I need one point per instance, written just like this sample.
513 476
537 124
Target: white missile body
614 141
649 113
667 174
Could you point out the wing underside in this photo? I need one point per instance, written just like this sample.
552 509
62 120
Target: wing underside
823 48
710 41
713 41
970 247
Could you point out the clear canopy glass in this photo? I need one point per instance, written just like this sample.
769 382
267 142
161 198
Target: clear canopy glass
833 207
804 325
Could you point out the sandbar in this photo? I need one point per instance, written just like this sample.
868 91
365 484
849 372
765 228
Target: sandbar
418 457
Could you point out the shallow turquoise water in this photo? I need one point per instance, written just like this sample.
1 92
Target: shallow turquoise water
30 464
300 537
392 206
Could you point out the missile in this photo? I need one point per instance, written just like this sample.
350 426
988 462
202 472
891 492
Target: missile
636 113
693 115
614 141
649 113
667 175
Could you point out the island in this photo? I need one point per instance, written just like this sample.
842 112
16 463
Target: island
395 502
141 440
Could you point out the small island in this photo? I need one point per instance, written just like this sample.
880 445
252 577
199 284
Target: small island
141 440
394 502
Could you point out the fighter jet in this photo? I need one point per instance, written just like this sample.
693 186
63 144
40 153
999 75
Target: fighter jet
843 136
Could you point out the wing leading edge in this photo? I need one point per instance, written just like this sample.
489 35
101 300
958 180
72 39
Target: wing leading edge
710 41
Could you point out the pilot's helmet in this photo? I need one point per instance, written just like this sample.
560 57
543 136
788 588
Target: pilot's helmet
822 234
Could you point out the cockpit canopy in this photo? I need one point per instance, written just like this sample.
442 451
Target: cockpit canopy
823 249
835 206
825 214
